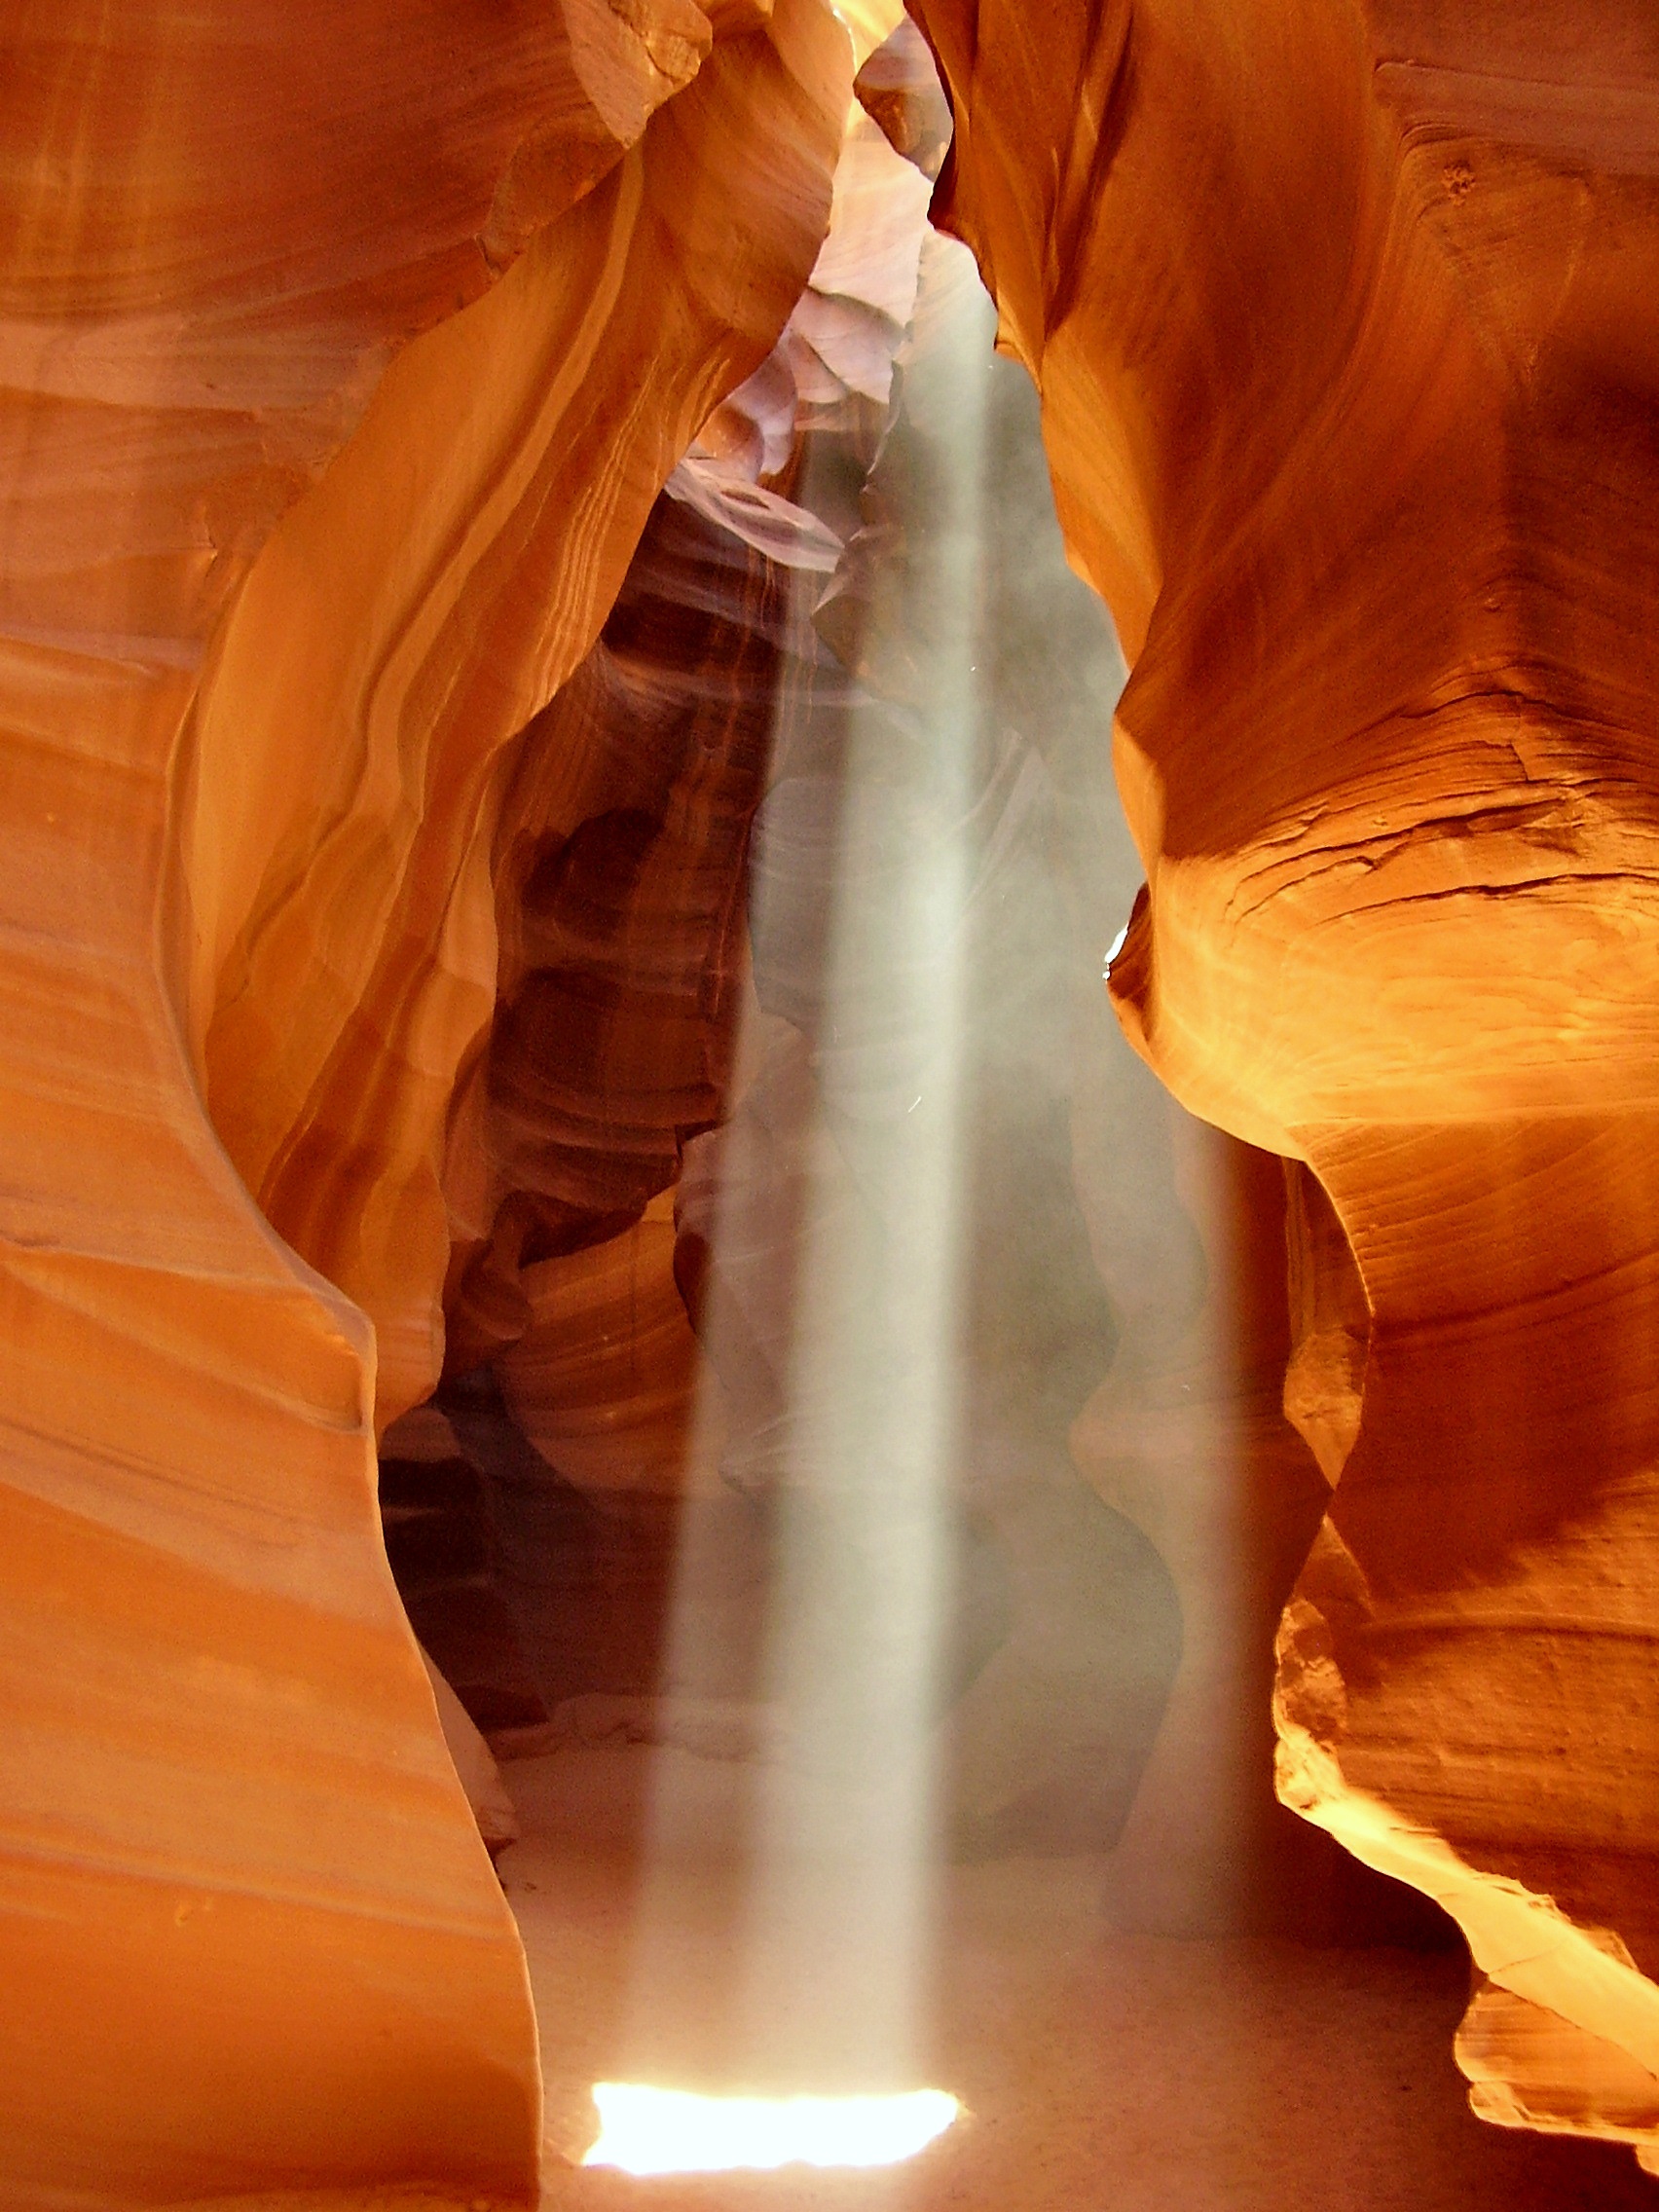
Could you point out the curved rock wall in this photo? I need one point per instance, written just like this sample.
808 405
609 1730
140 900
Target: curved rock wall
275 606
407 620
344 364
1343 322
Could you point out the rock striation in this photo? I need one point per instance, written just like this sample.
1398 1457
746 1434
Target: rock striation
1342 325
454 511
343 361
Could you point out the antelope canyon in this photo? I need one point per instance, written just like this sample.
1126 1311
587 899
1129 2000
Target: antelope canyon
831 1235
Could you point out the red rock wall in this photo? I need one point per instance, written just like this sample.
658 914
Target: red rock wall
1342 321
406 622
342 365
275 606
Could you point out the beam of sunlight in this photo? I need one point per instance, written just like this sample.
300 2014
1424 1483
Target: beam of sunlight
863 1574
674 2131
823 1856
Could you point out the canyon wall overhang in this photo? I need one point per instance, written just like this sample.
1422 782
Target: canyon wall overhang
1343 324
344 363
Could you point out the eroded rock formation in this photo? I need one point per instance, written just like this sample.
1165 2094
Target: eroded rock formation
568 1482
1343 324
412 538
344 359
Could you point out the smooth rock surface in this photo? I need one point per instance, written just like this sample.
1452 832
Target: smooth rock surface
436 454
342 362
1343 321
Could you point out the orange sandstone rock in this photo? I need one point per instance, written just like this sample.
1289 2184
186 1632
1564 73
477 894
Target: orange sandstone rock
408 621
618 879
619 883
1343 321
273 612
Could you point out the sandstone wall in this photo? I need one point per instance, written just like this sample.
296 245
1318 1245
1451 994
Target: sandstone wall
371 948
344 354
1342 321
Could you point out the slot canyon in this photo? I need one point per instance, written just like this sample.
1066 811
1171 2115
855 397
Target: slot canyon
830 1223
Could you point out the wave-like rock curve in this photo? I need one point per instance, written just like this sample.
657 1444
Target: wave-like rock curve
1342 321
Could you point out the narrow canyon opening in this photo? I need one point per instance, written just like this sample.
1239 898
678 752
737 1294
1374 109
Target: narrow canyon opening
665 1500
860 1502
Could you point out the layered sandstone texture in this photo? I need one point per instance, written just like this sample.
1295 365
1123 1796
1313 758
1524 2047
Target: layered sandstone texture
584 1521
438 452
344 354
1343 324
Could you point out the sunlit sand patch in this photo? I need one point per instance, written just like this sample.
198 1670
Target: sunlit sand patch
674 2131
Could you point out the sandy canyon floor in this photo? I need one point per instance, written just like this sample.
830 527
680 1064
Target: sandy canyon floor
1101 2072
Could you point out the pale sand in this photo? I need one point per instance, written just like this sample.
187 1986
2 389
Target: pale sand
1103 2073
